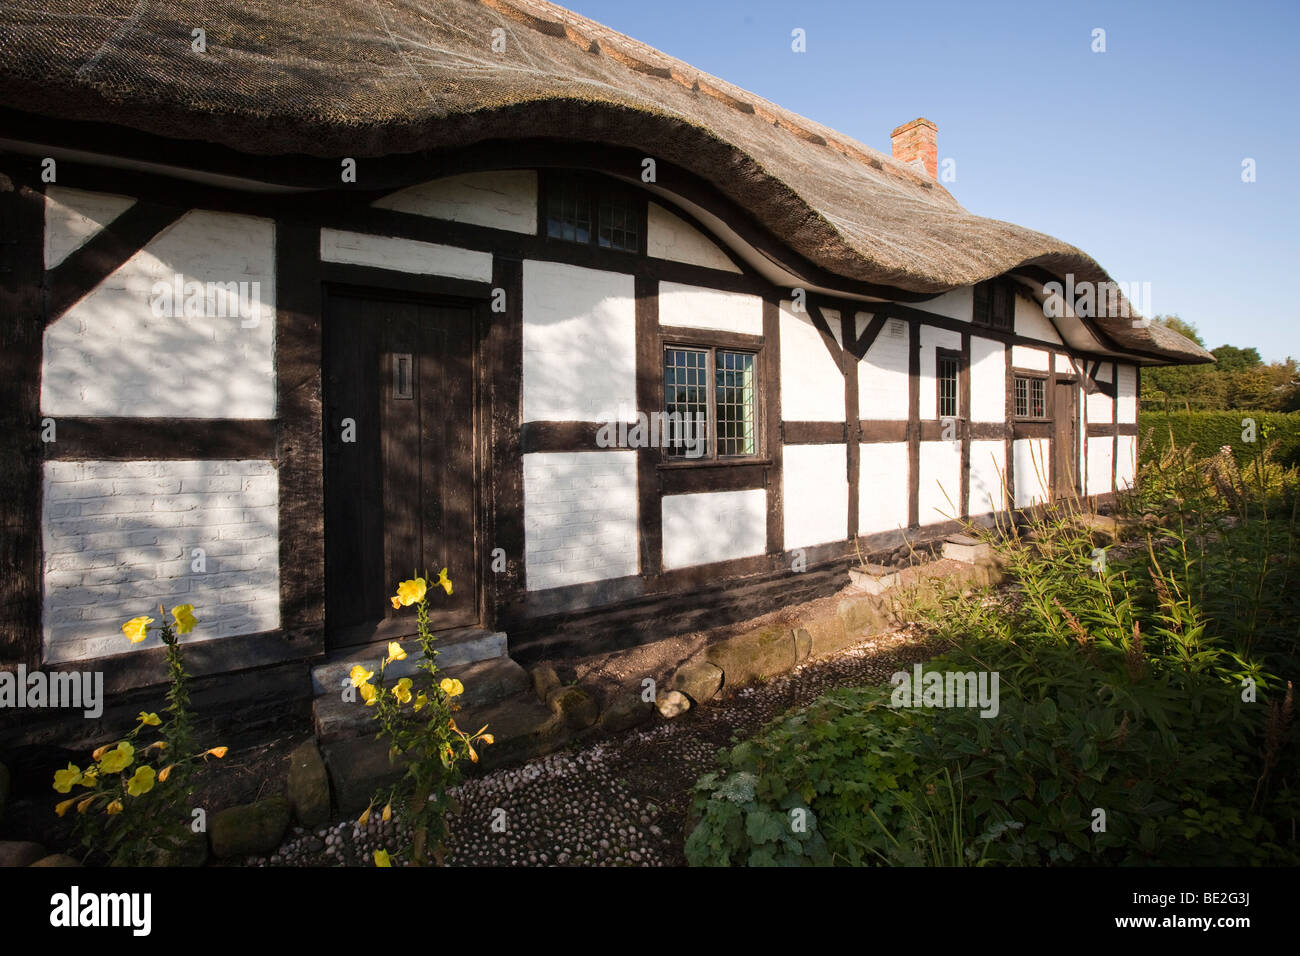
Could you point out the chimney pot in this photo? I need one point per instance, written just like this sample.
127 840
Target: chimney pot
918 139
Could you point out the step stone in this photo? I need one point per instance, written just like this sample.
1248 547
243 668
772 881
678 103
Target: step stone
464 646
486 682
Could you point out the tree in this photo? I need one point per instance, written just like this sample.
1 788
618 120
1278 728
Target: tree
1233 359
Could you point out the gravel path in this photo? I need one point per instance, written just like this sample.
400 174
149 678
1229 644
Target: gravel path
621 801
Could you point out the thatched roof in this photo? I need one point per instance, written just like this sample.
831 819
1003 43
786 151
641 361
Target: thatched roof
378 77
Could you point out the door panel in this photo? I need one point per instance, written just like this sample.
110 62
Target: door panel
399 496
1065 441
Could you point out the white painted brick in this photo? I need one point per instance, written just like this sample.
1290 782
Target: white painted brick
125 550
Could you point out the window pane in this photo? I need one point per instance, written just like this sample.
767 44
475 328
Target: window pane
1037 391
947 376
1022 398
734 400
686 402
568 211
618 224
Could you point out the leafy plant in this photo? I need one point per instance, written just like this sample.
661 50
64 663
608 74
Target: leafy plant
420 726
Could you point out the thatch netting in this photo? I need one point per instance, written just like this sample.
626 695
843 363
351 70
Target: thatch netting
380 77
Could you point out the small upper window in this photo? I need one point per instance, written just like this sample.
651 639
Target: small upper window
995 304
947 365
590 211
1031 397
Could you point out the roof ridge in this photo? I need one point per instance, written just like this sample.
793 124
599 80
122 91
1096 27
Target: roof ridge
594 37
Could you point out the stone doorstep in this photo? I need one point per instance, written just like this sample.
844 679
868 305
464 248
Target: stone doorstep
486 682
522 726
964 548
873 578
463 646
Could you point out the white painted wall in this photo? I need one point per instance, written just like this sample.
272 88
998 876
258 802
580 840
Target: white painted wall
1022 356
939 497
713 526
504 199
816 494
988 381
1127 395
1031 323
958 304
882 374
1101 406
691 306
109 355
119 539
670 237
1126 462
404 255
812 388
882 487
1065 364
73 216
988 468
931 339
579 344
580 517
1100 451
1033 471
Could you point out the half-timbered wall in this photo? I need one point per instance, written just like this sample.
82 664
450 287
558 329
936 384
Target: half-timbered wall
851 440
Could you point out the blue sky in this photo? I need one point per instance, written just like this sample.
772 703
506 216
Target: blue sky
1134 154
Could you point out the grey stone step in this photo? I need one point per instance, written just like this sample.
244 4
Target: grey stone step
464 645
486 682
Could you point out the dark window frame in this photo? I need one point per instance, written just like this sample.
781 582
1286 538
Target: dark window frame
1029 379
711 349
939 356
995 304
600 194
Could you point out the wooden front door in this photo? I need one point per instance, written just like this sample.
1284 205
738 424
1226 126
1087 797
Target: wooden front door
399 463
1065 440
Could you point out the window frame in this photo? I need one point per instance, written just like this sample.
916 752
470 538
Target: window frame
712 346
598 190
985 300
1028 378
939 356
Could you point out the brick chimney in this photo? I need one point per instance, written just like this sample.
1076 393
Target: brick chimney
918 139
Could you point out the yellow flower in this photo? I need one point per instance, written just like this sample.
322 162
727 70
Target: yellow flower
165 772
369 694
64 779
473 754
65 806
158 745
388 812
89 777
395 652
488 739
142 782
444 580
412 591
84 805
100 751
115 761
382 858
137 629
403 691
397 603
365 816
419 703
185 619
451 722
452 687
360 675
113 808
149 720
218 752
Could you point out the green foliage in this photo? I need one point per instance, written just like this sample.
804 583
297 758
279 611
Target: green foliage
1121 675
1205 432
1237 380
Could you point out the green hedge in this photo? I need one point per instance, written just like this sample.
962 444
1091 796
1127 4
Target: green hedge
1210 431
